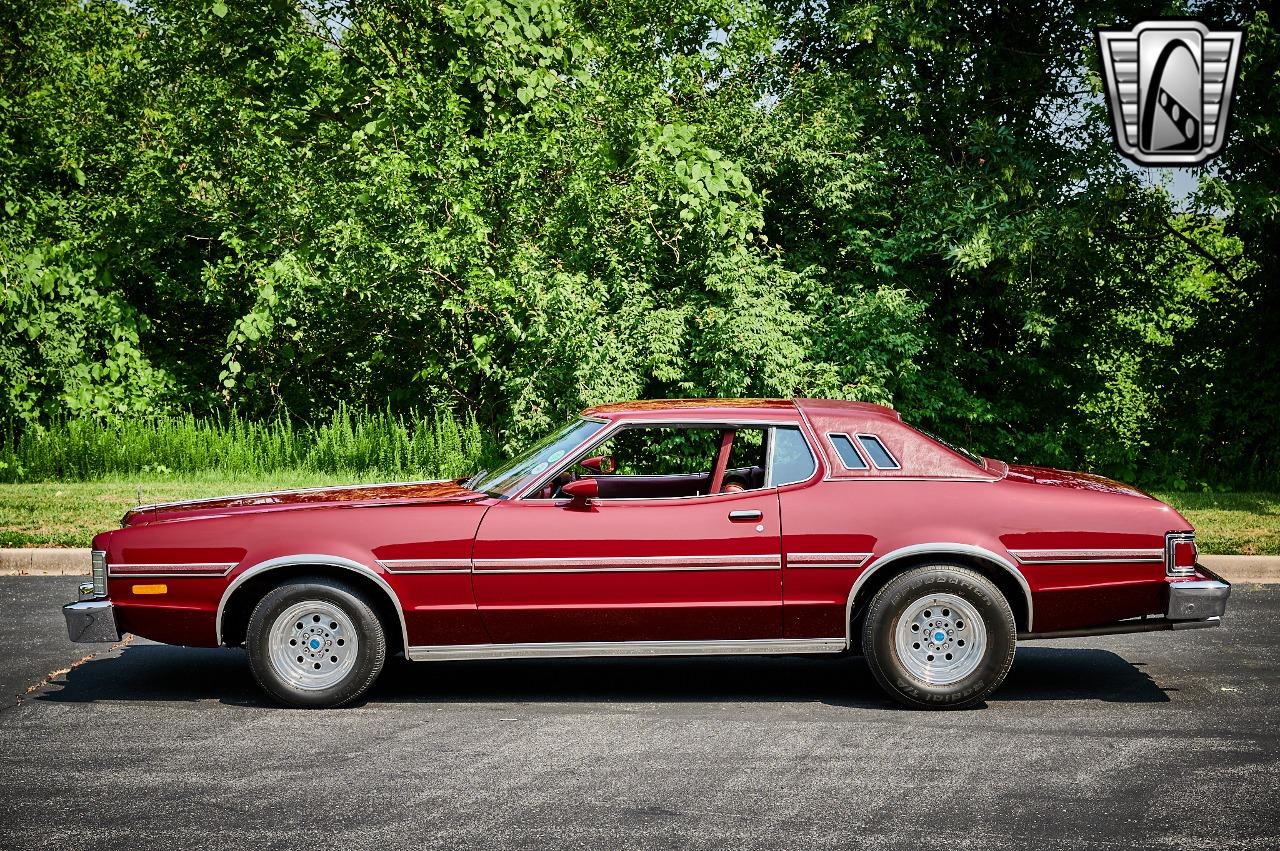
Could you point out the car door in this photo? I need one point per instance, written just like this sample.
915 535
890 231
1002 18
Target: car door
696 568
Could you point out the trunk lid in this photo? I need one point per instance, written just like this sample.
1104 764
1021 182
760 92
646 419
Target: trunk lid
1071 479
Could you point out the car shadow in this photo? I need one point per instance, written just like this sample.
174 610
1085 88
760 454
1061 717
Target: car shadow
153 672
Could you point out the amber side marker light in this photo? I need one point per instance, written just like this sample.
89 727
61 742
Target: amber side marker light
151 589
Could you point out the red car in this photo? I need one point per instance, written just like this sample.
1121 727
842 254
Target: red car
664 528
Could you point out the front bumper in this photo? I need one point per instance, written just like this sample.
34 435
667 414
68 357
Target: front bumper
91 621
1198 599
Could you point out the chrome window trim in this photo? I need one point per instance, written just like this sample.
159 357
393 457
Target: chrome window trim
317 560
940 548
857 450
859 435
910 479
1171 540
576 649
768 456
603 435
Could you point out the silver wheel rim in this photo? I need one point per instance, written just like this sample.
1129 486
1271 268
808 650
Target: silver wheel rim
940 639
313 645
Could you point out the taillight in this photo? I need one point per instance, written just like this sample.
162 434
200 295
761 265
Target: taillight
1180 553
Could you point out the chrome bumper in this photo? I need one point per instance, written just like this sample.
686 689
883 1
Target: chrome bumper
91 621
1198 600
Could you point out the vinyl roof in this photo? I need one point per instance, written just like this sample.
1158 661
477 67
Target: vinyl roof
650 406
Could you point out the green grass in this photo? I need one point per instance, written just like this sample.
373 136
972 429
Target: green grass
1226 523
69 514
349 443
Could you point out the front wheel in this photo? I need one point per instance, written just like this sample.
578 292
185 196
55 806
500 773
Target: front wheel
315 643
939 637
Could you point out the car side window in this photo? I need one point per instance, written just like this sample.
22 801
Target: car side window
664 451
792 460
849 455
879 455
665 462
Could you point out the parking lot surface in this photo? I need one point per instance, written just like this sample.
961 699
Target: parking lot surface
1161 740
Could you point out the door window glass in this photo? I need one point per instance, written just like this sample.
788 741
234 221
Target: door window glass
792 460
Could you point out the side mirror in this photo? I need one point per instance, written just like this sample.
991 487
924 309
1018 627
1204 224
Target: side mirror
581 492
600 464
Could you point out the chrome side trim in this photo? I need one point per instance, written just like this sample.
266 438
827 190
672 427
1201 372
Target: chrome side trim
939 549
426 565
1085 556
1123 628
318 560
569 649
194 569
845 560
663 564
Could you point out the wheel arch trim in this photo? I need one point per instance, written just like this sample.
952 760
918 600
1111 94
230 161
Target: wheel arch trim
935 549
320 560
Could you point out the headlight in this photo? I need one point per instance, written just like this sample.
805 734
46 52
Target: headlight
99 573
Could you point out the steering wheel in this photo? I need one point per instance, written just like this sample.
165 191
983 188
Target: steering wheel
552 489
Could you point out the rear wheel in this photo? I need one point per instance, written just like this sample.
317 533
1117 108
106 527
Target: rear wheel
939 637
315 643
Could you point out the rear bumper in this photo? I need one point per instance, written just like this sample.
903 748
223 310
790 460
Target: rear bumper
1198 599
91 621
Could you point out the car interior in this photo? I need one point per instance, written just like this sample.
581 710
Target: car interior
656 462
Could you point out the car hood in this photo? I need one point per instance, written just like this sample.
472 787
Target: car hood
1070 479
346 495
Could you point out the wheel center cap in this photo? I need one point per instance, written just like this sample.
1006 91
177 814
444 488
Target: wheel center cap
314 643
939 636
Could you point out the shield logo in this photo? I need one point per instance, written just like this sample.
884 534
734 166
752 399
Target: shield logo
1168 88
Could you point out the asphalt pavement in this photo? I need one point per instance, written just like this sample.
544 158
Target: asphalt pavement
1160 740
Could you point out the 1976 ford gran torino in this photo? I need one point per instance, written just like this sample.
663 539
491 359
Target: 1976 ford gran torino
664 528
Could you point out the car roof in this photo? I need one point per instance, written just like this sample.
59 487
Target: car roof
737 407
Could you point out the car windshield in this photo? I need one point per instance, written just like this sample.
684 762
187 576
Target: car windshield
508 478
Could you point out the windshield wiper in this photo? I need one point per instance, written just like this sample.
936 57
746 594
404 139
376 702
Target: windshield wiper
470 484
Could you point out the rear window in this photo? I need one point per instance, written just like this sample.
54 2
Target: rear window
848 453
877 453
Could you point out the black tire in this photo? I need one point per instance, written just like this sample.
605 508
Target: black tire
357 670
911 593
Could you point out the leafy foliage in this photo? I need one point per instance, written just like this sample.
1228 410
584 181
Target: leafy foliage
515 208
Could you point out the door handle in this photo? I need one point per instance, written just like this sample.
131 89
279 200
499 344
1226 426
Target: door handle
745 516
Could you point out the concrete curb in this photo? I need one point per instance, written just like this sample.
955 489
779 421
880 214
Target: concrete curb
1263 570
51 561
